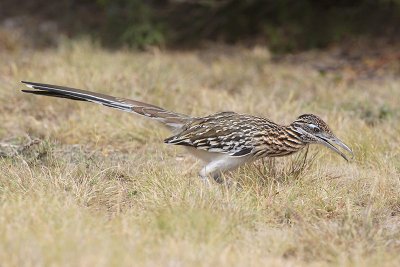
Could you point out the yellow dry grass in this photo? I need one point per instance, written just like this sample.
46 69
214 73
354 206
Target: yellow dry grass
99 188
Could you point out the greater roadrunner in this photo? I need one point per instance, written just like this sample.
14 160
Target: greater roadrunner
223 140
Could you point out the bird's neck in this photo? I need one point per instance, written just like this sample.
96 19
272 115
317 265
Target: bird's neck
283 142
293 137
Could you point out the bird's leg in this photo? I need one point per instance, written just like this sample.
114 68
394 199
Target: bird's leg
211 170
205 181
204 176
218 177
215 168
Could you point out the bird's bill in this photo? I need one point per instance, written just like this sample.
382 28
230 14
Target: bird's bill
334 140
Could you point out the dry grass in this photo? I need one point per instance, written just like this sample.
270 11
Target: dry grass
83 185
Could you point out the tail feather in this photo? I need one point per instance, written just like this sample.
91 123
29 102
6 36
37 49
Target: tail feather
171 119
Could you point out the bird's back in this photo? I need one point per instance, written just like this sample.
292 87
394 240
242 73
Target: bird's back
226 132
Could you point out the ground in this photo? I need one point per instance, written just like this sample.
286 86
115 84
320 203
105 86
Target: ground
86 185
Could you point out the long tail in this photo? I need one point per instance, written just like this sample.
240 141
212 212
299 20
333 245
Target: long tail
171 119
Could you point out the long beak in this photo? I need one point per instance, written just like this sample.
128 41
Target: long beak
327 142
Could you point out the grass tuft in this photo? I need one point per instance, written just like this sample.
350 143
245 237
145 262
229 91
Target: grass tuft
84 185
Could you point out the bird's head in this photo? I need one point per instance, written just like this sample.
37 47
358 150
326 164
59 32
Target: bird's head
313 130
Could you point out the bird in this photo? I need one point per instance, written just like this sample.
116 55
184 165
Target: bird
222 141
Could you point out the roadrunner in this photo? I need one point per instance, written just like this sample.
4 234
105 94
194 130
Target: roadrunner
223 141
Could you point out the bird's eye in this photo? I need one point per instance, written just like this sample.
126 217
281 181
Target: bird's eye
316 130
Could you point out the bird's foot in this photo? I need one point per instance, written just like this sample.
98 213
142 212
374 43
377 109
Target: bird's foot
217 177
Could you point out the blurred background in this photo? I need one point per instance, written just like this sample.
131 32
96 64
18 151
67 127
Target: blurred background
284 25
361 36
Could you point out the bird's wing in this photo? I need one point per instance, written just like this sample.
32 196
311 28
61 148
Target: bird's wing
227 132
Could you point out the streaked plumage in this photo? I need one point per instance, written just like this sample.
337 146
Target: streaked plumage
223 140
237 135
